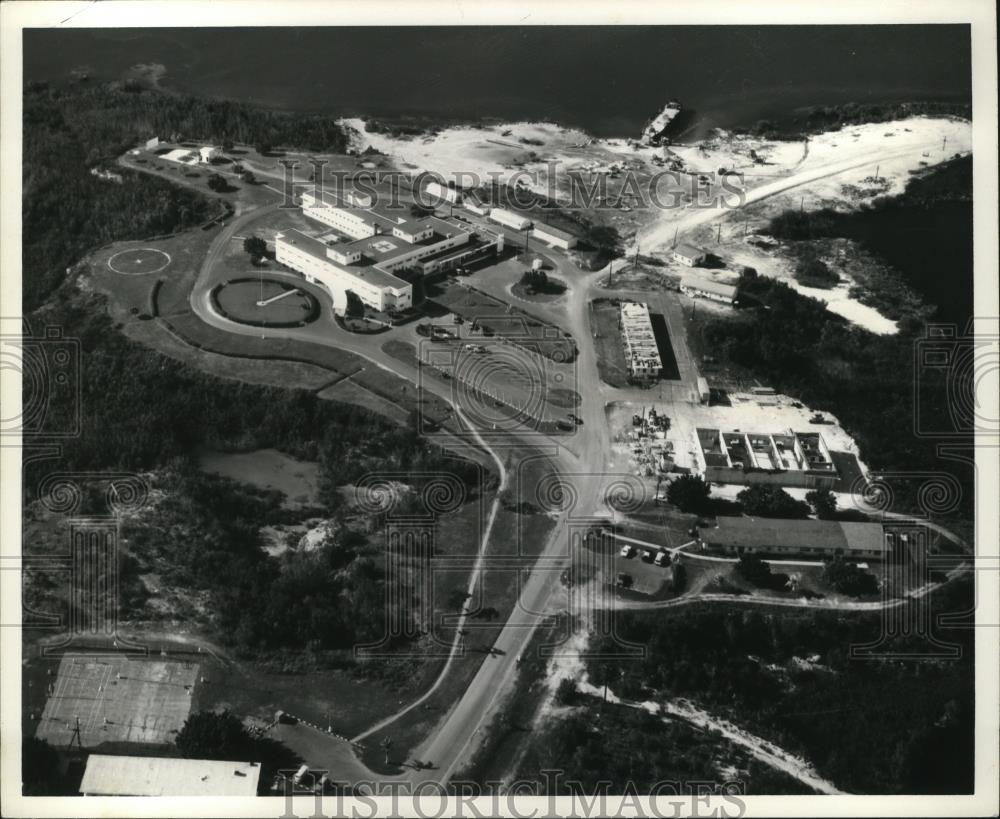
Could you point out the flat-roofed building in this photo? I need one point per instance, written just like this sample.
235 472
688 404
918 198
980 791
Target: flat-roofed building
799 459
476 205
380 240
443 193
698 288
642 354
168 776
509 218
778 536
554 236
332 267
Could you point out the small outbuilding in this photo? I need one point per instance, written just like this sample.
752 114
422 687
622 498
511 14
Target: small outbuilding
688 255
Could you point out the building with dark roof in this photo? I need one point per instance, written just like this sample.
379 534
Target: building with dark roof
818 538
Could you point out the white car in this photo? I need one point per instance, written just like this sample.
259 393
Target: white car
662 559
626 551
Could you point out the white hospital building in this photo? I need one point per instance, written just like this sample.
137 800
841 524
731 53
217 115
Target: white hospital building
367 244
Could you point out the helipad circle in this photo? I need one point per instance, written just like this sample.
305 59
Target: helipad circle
139 260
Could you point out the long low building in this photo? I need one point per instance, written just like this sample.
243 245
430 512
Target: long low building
818 538
168 776
699 288
509 218
554 236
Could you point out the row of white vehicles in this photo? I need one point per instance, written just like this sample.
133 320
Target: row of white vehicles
660 558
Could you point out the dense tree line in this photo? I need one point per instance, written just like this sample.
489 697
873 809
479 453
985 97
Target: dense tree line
817 119
871 725
949 182
68 212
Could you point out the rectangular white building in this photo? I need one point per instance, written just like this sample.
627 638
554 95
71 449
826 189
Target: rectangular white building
698 288
476 205
554 236
443 193
509 218
168 776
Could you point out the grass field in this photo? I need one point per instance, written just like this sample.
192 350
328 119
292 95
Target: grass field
608 343
117 700
265 302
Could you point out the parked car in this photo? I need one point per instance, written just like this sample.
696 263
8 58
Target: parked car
647 555
662 559
626 551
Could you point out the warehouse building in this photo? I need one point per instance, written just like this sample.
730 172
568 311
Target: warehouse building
642 355
799 459
698 288
509 218
816 538
168 776
554 236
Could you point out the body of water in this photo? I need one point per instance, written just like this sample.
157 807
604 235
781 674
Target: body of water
608 80
931 246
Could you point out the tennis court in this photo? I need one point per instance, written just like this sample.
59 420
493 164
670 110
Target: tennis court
117 700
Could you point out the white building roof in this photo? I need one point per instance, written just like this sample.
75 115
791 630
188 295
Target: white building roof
688 251
708 286
166 776
549 230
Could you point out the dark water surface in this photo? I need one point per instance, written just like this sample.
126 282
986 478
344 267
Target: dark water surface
608 80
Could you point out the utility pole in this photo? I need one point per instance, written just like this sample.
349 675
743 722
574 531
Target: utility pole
76 736
876 172
944 144
675 238
718 236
